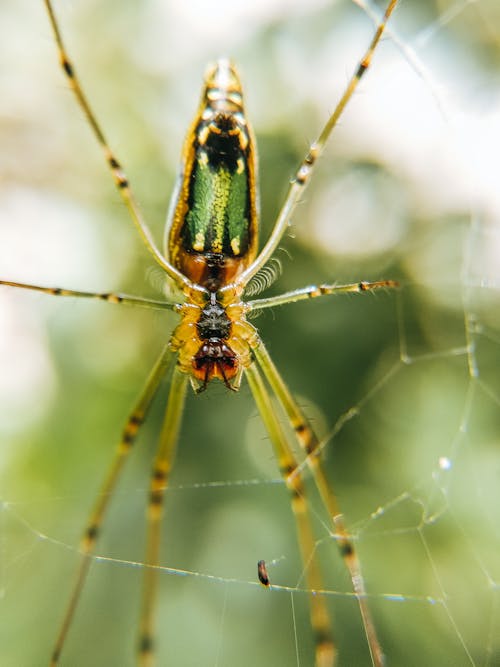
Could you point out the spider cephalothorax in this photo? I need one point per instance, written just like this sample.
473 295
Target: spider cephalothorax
214 339
215 358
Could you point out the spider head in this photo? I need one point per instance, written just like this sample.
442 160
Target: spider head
215 359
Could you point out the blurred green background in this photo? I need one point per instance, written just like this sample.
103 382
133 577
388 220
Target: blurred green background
407 189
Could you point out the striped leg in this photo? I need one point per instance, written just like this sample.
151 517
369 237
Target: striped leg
94 523
159 483
109 297
320 621
311 446
313 291
119 176
305 170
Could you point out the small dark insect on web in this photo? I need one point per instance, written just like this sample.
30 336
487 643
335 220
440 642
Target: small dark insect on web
262 573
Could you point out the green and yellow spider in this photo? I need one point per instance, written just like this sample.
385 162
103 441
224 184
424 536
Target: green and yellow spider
211 254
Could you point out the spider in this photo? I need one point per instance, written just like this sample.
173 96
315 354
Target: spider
211 253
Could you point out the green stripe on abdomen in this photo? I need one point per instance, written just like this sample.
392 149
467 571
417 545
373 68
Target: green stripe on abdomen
218 202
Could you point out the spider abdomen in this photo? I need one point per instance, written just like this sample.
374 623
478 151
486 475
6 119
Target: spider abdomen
213 220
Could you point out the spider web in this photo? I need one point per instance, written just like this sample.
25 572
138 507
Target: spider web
402 387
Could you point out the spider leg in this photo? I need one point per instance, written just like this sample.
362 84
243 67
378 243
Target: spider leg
159 483
311 446
303 174
109 297
320 620
121 181
93 526
314 291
